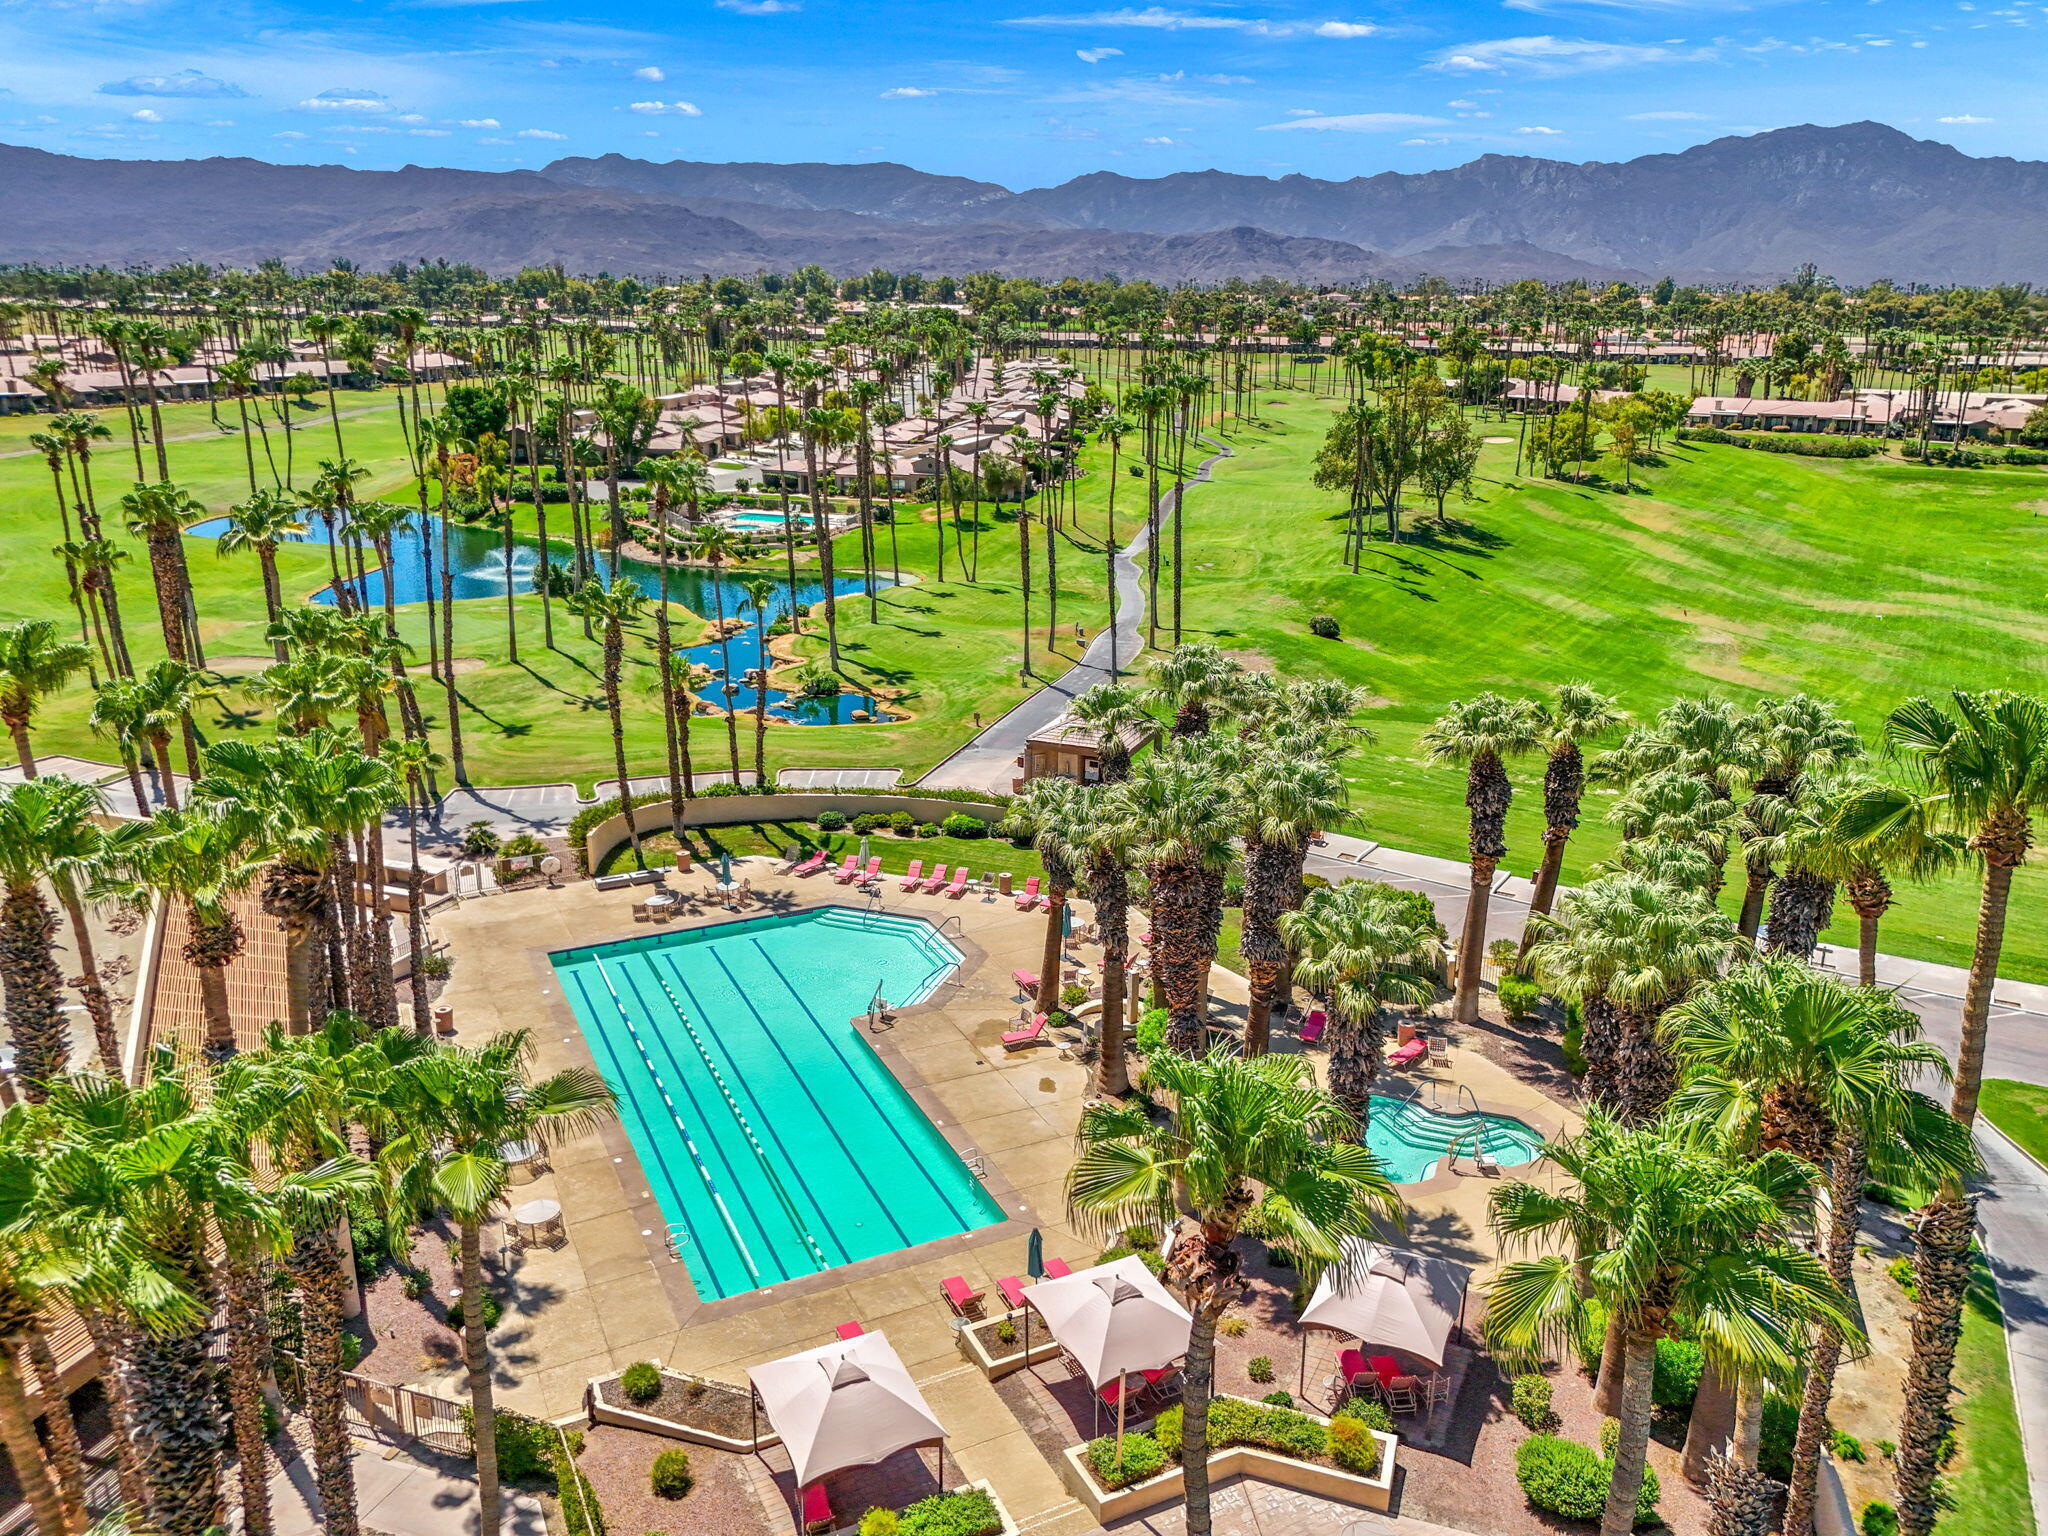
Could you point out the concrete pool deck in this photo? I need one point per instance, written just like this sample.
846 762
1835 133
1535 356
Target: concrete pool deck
610 1294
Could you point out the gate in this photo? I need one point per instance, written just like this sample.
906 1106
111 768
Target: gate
404 1414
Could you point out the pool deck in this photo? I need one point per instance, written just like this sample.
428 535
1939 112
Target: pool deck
611 1295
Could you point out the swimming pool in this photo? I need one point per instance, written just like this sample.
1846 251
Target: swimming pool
755 521
775 1140
1410 1138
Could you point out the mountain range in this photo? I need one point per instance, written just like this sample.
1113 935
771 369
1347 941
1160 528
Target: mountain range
1861 201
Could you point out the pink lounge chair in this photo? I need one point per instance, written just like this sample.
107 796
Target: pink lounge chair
811 865
1352 1367
1026 981
817 1509
934 880
1386 1367
844 872
913 877
1029 899
1057 1269
1313 1026
1017 1039
851 1330
1013 1291
1414 1049
1112 1393
960 1296
872 874
959 886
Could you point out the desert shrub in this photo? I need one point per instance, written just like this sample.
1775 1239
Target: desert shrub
1151 1032
1368 1411
831 821
1142 1457
1280 1399
1563 1477
1845 1446
1518 997
1232 1327
526 1447
1074 994
671 1476
1901 1270
1260 1369
433 964
868 821
927 829
880 1522
1676 1381
902 823
1529 1397
493 1310
971 1513
962 825
1887 1450
1323 626
1879 1519
1145 1256
640 1381
1354 1448
1006 1332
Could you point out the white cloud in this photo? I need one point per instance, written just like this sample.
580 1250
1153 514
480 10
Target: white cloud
1097 55
479 122
1425 141
1139 90
188 84
651 73
664 108
1463 104
759 7
1303 112
1539 129
1963 117
1157 18
1161 140
289 133
906 93
1667 117
146 115
1545 55
1346 29
409 117
428 133
342 99
539 133
1357 122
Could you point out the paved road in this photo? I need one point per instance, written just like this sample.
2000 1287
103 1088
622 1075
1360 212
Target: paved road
989 760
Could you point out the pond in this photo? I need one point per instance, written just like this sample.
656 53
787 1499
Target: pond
478 558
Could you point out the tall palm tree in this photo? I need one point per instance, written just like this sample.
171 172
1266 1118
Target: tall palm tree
1576 715
1177 815
1668 806
1104 841
1657 1228
1114 712
611 609
36 815
1241 1132
35 662
1193 682
824 429
1789 738
464 1105
51 1479
714 545
159 515
1283 799
414 761
1903 846
1050 812
760 596
259 525
1778 1056
669 480
79 849
1481 732
1360 946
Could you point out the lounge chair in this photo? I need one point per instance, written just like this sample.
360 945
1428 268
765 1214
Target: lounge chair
1386 1367
1313 1026
845 871
817 1509
1352 1367
1410 1053
912 877
872 874
1032 1034
1029 899
1112 1393
1057 1269
960 1296
959 886
1013 1291
934 880
811 865
1027 981
851 1330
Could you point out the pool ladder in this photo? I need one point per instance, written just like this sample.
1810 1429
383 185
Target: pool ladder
975 1164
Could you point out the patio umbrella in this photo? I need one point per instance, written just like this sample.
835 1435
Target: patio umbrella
849 1403
725 867
1034 1255
1113 1319
1390 1297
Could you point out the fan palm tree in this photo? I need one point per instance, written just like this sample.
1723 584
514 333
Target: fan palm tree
1193 682
1673 807
259 525
35 662
1282 800
1789 738
714 545
611 609
1657 1227
159 515
1050 812
141 712
1241 1132
1576 715
824 429
36 815
80 848
760 596
1114 712
414 762
1104 840
1778 1056
665 478
1481 733
463 1106
1176 813
1904 846
1360 946
96 560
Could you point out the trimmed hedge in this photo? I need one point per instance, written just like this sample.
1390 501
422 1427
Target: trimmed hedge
1807 446
1142 1458
641 1382
970 1512
1563 1477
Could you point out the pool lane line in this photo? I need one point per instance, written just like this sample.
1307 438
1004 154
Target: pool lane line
711 1115
909 1151
636 1082
795 1217
731 1227
824 1116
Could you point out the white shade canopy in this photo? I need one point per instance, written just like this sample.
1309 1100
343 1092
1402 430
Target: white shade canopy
1114 1319
1391 1297
849 1403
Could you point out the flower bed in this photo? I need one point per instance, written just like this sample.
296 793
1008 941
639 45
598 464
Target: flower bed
686 1407
996 1357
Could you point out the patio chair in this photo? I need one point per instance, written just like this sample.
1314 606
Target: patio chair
840 874
1436 1388
1439 1050
851 1329
1029 898
960 1296
1013 1291
1404 1395
1354 1372
1409 1053
817 1509
872 875
912 877
1057 1269
959 886
640 912
1032 1034
1027 981
1386 1367
811 865
1313 1026
934 880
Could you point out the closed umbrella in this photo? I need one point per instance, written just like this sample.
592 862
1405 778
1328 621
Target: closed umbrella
724 867
1034 1255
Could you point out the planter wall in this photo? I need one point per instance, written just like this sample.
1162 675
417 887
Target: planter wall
602 1412
1009 1525
995 1359
786 805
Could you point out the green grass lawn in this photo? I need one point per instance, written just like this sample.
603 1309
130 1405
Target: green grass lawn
1988 1483
2021 1111
785 839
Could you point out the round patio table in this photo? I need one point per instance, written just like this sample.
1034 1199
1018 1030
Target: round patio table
538 1220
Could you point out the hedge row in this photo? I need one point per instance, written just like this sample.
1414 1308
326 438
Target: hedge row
1809 447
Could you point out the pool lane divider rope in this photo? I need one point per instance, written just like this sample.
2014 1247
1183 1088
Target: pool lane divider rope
689 1144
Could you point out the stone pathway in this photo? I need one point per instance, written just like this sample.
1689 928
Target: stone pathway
399 1495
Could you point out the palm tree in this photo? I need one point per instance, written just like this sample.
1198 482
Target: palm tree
158 515
714 546
1176 813
825 428
1778 1056
51 1481
666 478
1668 806
760 594
1193 682
34 663
1239 1129
1113 712
1789 738
1360 946
1658 1227
1625 948
36 815
1283 799
415 762
463 1106
1481 732
1049 812
1578 714
258 524
612 609
1901 845
79 849
1103 839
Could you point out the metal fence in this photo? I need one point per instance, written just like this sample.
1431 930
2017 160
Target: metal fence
404 1414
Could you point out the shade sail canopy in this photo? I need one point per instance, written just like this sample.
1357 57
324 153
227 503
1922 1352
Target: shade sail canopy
1114 1319
1389 1296
849 1403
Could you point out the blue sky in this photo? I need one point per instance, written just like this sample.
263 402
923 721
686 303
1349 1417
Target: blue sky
1022 92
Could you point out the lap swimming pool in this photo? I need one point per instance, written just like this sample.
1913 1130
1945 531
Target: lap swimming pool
775 1140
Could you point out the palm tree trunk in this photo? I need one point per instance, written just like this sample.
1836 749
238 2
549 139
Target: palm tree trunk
1198 1378
614 645
1709 1430
1631 1451
1942 1233
98 1007
248 1353
1846 1201
18 1432
1049 952
315 1263
1744 1501
1751 918
67 1454
1544 897
483 1411
1472 941
33 988
1977 995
